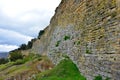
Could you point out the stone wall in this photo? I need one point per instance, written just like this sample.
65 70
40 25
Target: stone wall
88 31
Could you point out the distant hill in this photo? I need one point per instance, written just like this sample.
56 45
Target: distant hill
4 54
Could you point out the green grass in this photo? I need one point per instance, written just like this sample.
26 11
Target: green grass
16 67
65 70
11 70
5 66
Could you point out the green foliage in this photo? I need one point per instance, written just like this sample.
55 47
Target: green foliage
57 43
33 40
113 14
77 42
5 66
65 70
88 51
19 62
107 78
3 60
15 55
29 45
98 77
40 33
19 66
66 37
30 57
65 56
23 47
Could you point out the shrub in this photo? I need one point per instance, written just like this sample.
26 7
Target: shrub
88 51
31 56
19 61
98 77
57 44
107 78
65 56
23 47
77 42
65 70
66 37
15 56
113 14
29 45
40 33
3 60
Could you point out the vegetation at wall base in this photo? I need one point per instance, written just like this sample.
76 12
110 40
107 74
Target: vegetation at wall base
65 70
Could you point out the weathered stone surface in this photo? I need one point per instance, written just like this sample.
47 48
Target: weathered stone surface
88 31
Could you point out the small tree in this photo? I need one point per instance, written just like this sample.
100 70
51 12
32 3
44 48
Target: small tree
23 47
33 40
29 45
40 33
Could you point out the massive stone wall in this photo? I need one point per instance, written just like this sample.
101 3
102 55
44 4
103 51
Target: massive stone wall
88 31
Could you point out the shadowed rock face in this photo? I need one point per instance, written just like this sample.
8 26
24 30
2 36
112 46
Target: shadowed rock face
88 31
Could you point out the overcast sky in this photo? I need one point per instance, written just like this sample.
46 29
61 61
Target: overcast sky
21 20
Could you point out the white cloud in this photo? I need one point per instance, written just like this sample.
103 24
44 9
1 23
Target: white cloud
13 8
7 48
29 17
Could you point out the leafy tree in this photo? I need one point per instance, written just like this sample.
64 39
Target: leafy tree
15 55
23 47
40 33
29 45
3 60
33 40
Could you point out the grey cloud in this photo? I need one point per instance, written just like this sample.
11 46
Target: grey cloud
24 25
12 37
7 48
40 21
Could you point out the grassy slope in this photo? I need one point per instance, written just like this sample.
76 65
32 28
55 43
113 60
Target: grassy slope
65 70
30 65
9 70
